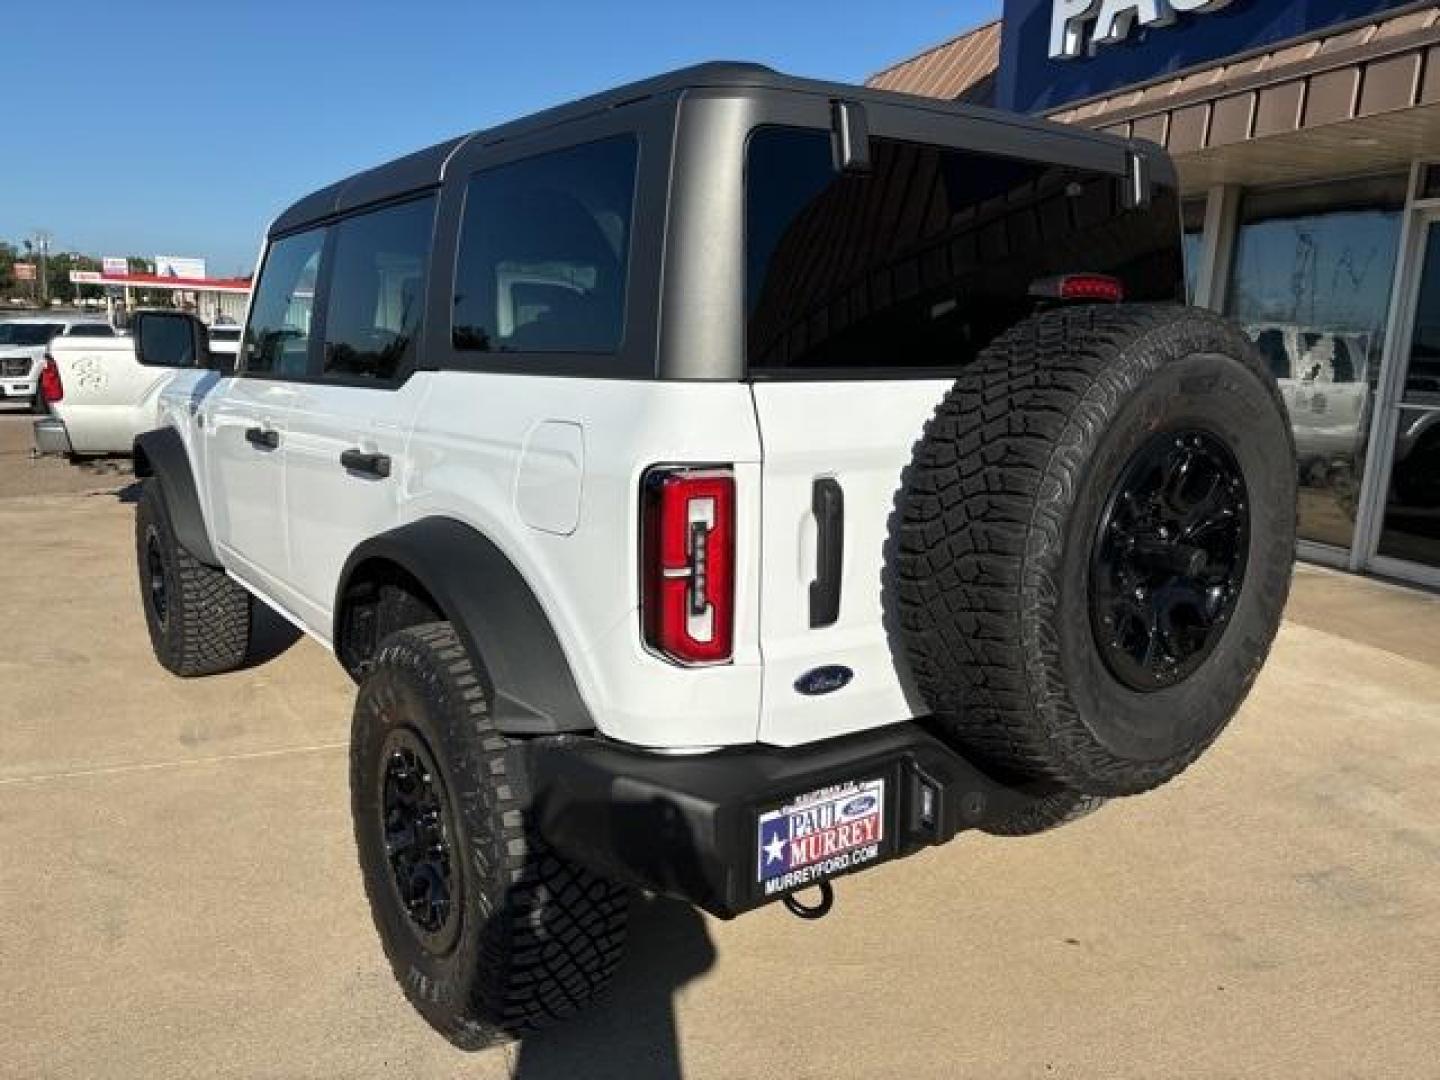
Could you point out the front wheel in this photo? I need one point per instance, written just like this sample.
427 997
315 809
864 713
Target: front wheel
199 620
489 932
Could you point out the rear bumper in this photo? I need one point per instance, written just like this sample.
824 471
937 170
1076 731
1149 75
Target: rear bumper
690 827
51 436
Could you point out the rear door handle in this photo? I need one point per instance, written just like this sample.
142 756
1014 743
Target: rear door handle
828 503
265 438
358 461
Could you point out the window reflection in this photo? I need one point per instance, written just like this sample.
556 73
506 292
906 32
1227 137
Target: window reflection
1313 267
1192 215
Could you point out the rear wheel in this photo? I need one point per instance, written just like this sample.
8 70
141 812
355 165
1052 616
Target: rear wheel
198 619
489 932
1095 544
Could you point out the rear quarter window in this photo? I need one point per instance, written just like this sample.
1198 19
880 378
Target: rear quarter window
544 252
918 263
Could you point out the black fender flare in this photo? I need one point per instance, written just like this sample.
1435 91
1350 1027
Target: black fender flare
161 454
480 591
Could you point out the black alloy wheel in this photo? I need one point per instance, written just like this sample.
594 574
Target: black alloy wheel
156 585
1169 559
418 831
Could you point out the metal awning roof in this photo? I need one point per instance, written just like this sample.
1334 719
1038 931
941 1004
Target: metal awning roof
1363 97
952 69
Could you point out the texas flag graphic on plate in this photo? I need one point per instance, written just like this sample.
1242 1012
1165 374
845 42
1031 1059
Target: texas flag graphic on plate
821 833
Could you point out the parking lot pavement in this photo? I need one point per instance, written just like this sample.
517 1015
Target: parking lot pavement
23 474
179 897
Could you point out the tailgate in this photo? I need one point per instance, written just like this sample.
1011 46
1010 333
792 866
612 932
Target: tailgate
852 439
108 395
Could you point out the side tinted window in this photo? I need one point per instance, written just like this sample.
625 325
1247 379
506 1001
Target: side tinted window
277 339
927 257
544 252
377 290
91 330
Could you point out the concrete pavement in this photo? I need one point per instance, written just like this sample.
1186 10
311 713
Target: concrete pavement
179 898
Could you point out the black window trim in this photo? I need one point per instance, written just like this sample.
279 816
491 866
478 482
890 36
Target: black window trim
520 357
650 123
315 346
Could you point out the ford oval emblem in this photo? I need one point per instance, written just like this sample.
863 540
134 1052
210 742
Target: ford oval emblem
862 804
823 680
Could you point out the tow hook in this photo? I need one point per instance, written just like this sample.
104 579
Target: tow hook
817 910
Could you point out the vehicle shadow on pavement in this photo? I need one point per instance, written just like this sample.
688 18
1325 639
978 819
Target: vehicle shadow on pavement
631 1033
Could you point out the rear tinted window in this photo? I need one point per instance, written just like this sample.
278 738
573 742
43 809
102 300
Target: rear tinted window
924 259
544 252
377 291
28 333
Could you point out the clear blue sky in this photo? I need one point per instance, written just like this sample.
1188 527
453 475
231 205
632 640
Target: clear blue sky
181 127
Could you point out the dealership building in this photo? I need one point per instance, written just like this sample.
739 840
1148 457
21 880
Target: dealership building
1307 138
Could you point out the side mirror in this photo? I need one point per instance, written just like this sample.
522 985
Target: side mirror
170 339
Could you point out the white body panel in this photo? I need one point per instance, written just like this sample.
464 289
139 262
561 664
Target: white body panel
109 397
861 434
550 469
498 453
329 510
464 462
245 483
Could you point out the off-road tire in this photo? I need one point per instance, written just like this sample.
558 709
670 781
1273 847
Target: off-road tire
536 936
204 627
997 526
1046 812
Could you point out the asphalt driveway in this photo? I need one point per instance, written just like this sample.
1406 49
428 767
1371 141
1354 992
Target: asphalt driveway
179 897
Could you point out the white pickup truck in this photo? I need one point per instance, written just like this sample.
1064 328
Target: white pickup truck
100 397
23 345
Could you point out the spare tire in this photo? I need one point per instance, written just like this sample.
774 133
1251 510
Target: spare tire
1094 544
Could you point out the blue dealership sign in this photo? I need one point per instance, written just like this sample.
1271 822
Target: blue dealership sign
1056 51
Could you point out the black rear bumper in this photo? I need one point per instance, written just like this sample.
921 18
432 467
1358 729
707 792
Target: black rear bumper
686 827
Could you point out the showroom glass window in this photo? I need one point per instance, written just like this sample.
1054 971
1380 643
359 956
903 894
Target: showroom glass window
377 291
1192 219
544 252
1311 279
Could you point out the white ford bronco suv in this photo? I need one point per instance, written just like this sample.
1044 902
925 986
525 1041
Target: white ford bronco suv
717 486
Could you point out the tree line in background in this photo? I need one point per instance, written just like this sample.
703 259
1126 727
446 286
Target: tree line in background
58 265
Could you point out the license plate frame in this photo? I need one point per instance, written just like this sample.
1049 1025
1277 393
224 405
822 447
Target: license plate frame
823 833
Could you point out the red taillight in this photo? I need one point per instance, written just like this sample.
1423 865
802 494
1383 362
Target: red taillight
1099 287
688 563
51 388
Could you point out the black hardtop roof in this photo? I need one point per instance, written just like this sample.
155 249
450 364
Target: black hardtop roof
424 168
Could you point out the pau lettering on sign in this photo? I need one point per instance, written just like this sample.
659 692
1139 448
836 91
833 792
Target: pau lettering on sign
1110 21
